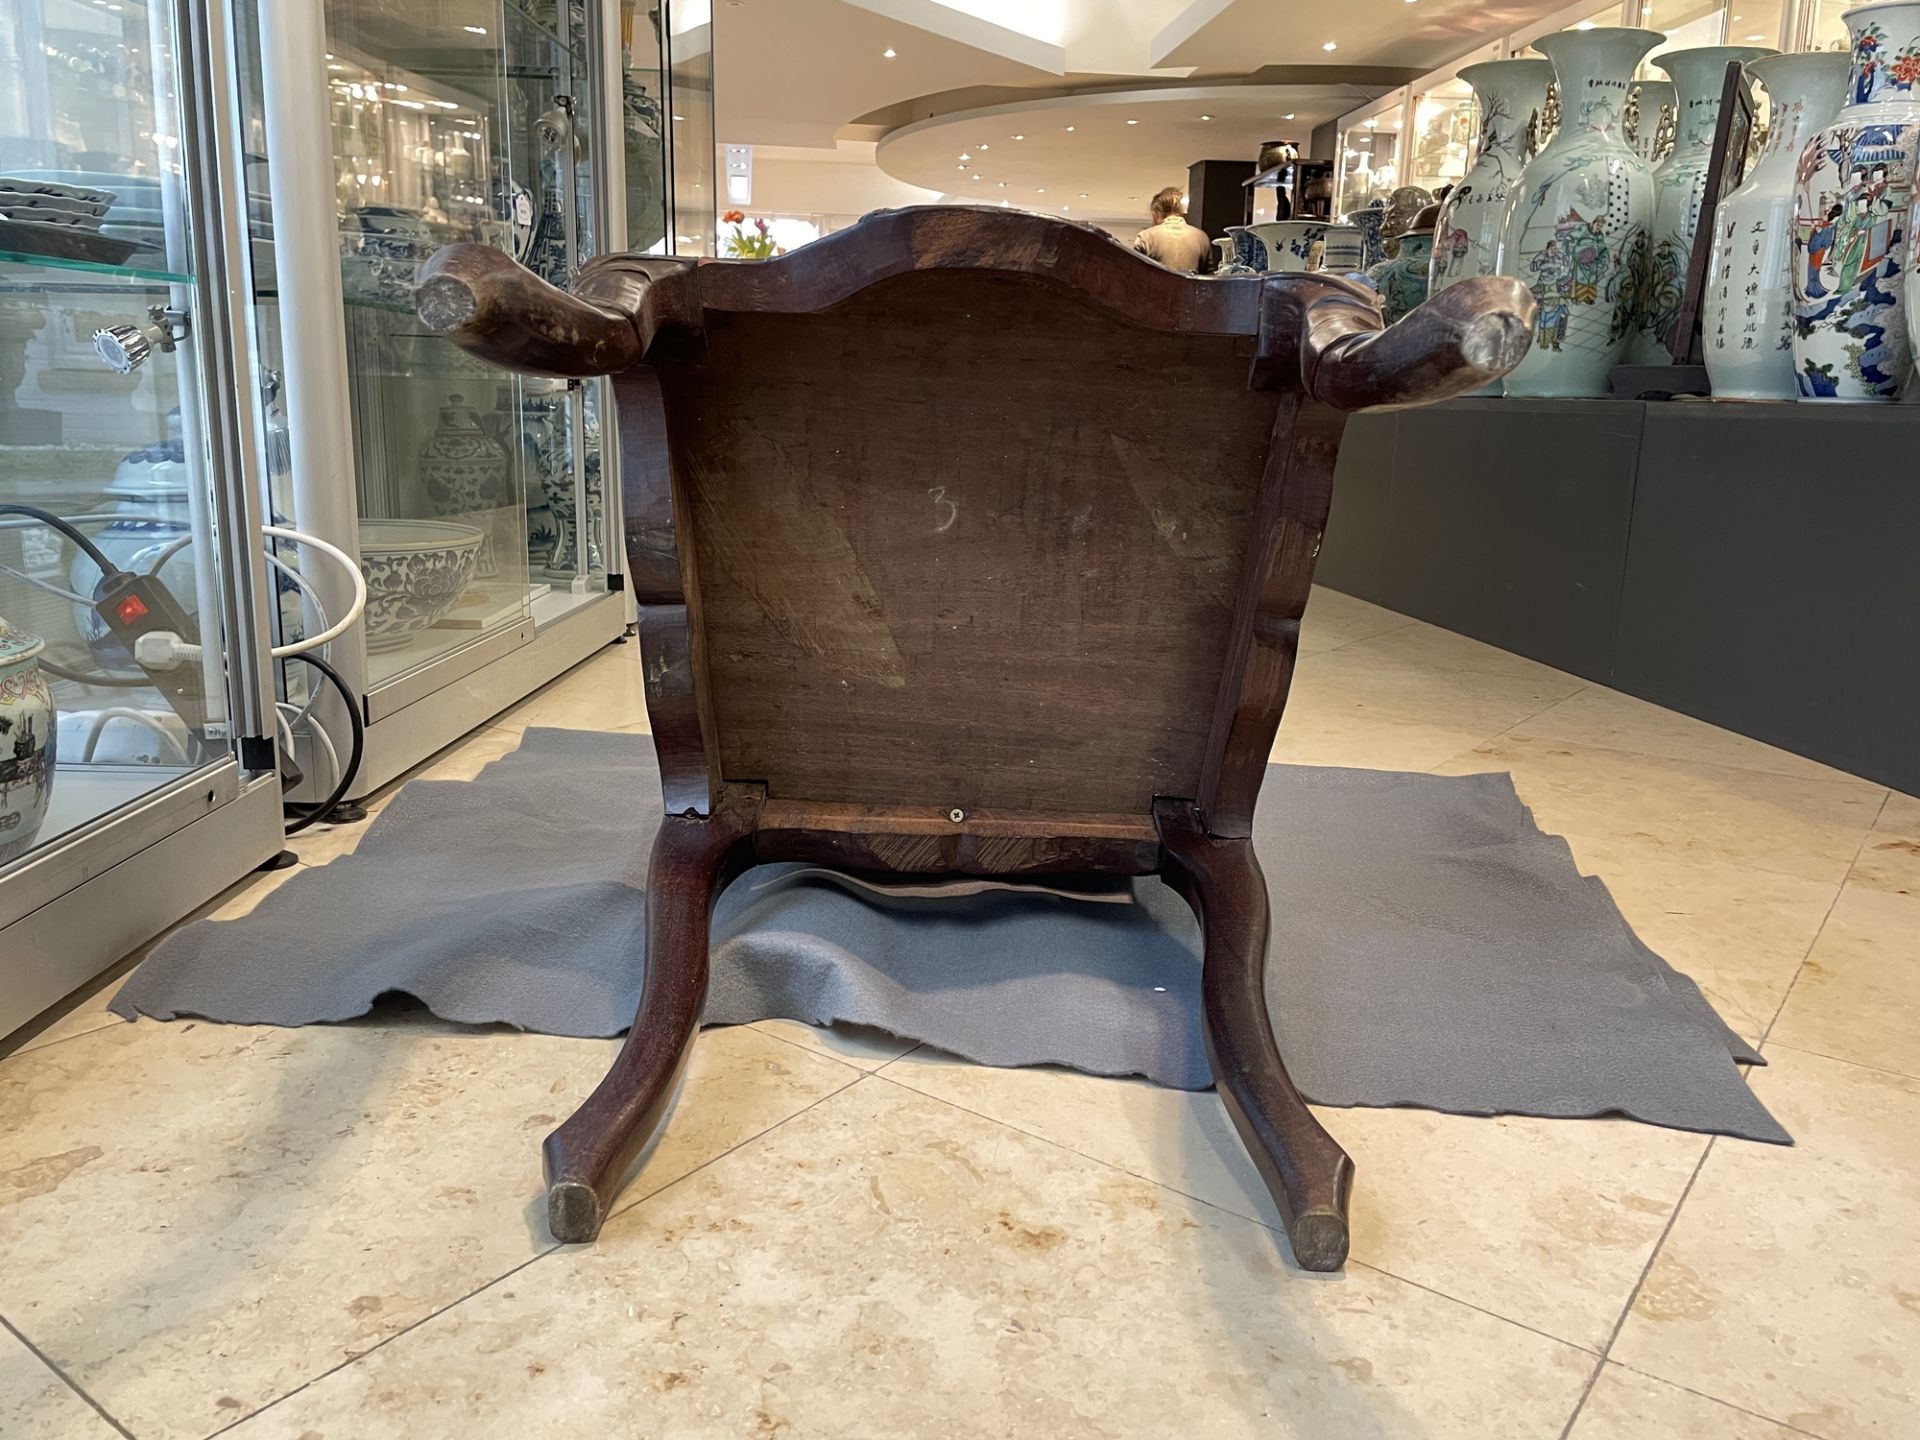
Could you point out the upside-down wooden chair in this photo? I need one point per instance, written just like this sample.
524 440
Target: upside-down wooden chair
967 541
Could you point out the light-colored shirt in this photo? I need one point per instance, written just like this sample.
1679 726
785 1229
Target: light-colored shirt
1175 244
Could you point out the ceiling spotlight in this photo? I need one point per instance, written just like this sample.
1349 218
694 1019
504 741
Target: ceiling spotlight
986 147
959 167
1133 122
1041 191
1330 45
1083 194
1019 137
1069 128
1287 116
974 176
965 156
1003 184
888 53
474 29
1206 117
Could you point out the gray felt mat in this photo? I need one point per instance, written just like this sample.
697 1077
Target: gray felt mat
1431 946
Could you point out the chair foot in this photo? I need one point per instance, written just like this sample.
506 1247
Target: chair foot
574 1212
588 1156
1309 1176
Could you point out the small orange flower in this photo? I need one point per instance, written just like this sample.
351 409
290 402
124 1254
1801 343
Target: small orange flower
733 217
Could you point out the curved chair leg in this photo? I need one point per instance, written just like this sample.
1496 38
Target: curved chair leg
587 1157
1309 1176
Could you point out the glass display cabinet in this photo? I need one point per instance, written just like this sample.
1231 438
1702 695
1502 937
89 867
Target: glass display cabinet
1369 165
133 784
479 504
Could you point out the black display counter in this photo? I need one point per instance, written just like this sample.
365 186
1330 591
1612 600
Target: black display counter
1754 565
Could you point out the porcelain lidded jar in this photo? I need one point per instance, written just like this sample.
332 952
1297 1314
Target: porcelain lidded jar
463 468
1578 225
1852 198
1510 94
28 731
1679 186
1747 312
1402 281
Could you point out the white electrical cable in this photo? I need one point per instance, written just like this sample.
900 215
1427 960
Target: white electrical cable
125 712
45 585
322 739
341 626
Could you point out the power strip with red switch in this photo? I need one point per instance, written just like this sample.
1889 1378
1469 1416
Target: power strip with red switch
134 605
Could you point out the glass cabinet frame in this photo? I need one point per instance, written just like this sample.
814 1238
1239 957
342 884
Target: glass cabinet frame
177 806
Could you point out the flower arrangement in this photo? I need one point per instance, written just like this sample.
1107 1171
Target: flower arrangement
744 246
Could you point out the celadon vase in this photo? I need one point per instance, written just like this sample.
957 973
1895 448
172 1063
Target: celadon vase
1578 225
1853 194
1679 186
1510 94
1747 312
1652 107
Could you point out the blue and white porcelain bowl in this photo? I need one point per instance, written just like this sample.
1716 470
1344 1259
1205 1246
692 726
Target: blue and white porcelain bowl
416 571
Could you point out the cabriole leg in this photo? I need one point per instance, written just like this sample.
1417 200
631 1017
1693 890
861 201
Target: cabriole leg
588 1156
1309 1176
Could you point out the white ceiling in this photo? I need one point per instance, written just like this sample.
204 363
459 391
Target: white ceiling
1104 167
801 75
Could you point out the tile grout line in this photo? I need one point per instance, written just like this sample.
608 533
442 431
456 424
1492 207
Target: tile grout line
64 1378
1740 1409
1653 1257
1838 891
1238 1215
551 1249
1585 686
1843 1060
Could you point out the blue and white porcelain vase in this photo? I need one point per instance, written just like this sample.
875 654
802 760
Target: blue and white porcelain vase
28 732
1747 313
1291 244
1510 94
1368 219
1343 249
1679 186
1852 195
1577 229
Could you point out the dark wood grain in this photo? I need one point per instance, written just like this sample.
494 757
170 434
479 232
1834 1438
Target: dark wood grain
588 1156
1306 1171
968 541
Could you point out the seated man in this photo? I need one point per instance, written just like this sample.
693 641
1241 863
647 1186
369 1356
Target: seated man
1171 240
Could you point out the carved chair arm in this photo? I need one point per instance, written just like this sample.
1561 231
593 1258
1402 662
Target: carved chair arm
489 304
1467 336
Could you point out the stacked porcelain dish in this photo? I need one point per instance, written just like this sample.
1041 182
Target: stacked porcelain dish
52 216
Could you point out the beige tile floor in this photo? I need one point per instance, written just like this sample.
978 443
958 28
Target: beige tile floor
336 1233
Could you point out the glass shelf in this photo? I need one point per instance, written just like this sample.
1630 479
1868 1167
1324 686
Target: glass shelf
133 275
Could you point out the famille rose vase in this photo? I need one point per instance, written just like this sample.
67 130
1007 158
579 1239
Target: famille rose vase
1747 313
1652 118
1510 94
1852 196
1577 229
1679 185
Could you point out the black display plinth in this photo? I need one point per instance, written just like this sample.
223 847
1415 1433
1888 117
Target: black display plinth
1747 563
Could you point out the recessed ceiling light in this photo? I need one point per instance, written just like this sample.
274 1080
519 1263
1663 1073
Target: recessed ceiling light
1003 184
974 176
475 29
1083 194
1206 117
1133 122
986 147
1287 116
680 117
959 167
1019 137
1330 45
1041 191
1069 127
1066 207
889 53
965 156
1751 38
